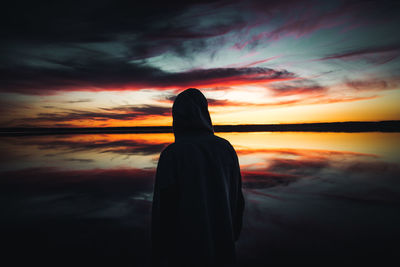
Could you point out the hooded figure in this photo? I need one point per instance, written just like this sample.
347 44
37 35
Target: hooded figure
198 202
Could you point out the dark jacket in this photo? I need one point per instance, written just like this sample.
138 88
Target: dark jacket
198 202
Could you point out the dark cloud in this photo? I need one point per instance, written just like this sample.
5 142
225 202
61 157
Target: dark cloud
79 160
393 50
226 102
312 96
105 45
212 102
80 115
78 101
373 84
55 124
142 109
11 106
91 21
122 113
90 46
48 48
94 73
298 88
219 102
100 21
300 18
144 30
307 95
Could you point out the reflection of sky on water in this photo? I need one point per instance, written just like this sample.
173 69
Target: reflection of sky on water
306 193
142 150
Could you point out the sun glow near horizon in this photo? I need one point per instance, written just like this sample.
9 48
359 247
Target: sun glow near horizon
256 64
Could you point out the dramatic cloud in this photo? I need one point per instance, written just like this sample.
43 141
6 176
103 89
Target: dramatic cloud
121 113
91 21
146 110
98 75
308 95
300 87
301 18
231 103
296 50
78 101
394 51
130 33
371 84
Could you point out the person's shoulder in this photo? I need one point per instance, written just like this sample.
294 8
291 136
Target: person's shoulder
221 140
224 142
168 150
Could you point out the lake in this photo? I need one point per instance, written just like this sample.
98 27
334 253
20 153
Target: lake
310 197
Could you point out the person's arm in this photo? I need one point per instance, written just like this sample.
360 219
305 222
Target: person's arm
163 208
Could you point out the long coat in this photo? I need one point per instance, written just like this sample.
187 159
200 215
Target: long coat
198 202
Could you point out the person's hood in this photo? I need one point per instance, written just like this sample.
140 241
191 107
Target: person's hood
190 114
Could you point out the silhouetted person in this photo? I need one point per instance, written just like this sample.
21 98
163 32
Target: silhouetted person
198 202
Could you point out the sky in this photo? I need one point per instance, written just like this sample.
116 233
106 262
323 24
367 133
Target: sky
106 63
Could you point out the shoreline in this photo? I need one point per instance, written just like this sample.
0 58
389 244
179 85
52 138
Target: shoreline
372 126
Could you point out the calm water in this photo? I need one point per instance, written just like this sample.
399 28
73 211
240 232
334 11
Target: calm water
310 197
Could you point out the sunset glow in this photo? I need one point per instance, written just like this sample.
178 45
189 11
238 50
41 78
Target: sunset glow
257 63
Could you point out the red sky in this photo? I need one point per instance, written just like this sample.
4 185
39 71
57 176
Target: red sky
281 62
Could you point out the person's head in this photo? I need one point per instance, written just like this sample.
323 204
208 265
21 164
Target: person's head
190 113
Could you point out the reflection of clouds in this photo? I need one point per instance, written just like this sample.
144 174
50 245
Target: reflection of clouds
83 151
310 204
299 166
346 175
374 167
273 167
316 205
136 147
265 179
301 152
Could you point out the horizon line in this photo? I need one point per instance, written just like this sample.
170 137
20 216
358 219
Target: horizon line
347 126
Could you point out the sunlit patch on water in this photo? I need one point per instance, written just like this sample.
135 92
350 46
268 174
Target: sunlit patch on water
309 195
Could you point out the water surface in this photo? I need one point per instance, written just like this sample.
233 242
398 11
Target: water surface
310 197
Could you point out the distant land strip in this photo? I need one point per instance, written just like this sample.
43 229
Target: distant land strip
372 126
